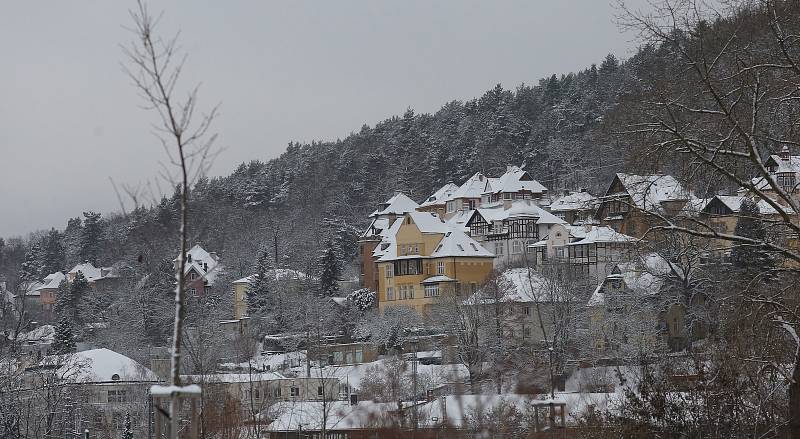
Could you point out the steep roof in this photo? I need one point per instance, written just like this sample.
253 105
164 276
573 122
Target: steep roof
474 187
515 180
441 196
457 243
644 276
52 281
574 201
398 204
205 264
454 241
518 209
647 192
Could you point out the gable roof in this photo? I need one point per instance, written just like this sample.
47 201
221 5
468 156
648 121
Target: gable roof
398 204
92 273
474 187
574 201
597 234
515 179
52 281
454 242
734 203
517 209
441 196
199 259
649 191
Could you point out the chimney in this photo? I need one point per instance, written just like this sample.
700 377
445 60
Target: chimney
785 155
205 266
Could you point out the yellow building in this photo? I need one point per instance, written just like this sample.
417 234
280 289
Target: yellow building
425 258
287 281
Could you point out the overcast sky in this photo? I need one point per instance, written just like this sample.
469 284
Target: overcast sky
292 70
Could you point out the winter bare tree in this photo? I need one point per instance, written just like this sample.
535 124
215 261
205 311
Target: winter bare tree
155 65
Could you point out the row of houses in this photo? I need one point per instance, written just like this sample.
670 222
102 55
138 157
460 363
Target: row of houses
460 236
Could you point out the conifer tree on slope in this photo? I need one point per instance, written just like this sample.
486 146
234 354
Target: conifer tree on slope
750 225
91 237
53 253
32 267
330 270
64 338
262 287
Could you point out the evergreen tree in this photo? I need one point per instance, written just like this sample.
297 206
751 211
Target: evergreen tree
127 433
64 306
33 267
64 339
748 257
262 288
53 254
330 270
91 237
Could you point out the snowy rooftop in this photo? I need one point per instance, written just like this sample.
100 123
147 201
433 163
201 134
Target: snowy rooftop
474 187
574 201
278 274
644 276
519 209
734 203
205 264
337 415
92 273
397 205
459 411
515 180
598 234
99 365
441 196
649 191
52 281
458 243
518 285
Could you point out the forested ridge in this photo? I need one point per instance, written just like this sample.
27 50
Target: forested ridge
556 129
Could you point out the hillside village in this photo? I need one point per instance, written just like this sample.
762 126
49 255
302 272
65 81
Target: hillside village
608 253
562 291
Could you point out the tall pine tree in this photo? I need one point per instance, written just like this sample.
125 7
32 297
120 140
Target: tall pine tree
64 339
750 225
91 237
330 269
262 288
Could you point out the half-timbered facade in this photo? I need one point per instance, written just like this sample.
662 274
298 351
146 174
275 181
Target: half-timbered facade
508 229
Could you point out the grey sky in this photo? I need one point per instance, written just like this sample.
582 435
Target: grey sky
293 70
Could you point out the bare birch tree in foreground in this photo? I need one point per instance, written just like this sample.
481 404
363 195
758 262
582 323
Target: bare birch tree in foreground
154 66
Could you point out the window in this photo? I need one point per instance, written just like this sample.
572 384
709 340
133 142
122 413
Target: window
193 292
389 270
320 391
498 248
193 275
526 332
416 249
294 391
117 396
559 252
389 293
277 392
440 267
257 394
432 290
506 195
471 205
516 247
526 310
359 356
338 357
